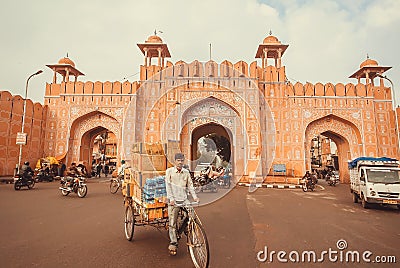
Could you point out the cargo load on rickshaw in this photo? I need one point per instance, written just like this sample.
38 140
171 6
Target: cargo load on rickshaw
147 205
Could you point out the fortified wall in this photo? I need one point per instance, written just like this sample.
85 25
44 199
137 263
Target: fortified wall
11 113
358 117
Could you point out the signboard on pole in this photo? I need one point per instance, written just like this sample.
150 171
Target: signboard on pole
21 138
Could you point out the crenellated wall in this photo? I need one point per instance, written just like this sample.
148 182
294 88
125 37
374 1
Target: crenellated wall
11 113
89 89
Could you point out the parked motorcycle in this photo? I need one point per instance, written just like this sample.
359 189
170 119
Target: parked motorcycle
73 185
23 180
332 179
225 181
212 186
43 175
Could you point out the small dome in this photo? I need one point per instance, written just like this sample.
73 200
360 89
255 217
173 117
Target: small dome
66 61
271 39
369 62
154 39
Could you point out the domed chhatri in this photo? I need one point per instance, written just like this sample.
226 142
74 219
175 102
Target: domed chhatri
369 69
65 67
369 62
271 40
271 48
66 60
154 39
154 47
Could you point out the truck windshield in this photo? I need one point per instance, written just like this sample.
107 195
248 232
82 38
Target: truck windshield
383 176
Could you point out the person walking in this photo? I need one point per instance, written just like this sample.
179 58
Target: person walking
62 169
178 184
121 170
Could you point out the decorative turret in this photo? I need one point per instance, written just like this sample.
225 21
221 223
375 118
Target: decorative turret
271 48
65 67
369 69
154 47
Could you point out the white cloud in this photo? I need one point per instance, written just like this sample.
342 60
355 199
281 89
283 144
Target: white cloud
327 39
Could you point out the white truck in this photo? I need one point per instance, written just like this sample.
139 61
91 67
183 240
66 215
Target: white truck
375 180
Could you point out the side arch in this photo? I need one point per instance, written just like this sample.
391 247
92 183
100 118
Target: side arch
344 133
84 124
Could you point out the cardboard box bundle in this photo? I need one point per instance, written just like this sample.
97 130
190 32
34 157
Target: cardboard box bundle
154 190
155 198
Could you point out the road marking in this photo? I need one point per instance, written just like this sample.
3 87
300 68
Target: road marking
349 210
248 197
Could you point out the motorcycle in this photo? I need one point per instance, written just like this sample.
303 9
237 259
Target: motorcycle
23 180
332 179
203 182
210 186
73 185
307 185
43 175
225 181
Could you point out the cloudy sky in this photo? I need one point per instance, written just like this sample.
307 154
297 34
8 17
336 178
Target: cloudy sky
328 39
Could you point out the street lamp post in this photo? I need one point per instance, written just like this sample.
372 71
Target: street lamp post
394 109
23 117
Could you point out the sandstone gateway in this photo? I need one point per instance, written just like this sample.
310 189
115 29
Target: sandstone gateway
267 120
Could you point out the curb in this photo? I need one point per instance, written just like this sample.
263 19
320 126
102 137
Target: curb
276 186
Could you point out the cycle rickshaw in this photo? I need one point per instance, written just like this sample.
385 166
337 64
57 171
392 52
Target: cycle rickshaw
146 205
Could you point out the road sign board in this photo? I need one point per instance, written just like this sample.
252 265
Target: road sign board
21 138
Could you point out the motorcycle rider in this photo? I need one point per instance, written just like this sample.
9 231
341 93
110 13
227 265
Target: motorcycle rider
212 173
26 172
82 170
308 177
73 172
329 174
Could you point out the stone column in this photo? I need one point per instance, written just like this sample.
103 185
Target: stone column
55 76
159 56
279 64
145 57
367 79
66 78
265 58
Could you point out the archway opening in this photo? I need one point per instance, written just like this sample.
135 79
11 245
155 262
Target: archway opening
329 150
211 143
99 146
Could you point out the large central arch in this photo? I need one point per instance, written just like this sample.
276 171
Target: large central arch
212 115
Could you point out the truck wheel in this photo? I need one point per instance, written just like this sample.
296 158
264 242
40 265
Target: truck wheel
355 198
364 203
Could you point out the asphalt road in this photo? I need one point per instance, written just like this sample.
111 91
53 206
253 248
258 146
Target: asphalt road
42 228
291 220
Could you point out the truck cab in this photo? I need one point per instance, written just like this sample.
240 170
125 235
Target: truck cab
375 181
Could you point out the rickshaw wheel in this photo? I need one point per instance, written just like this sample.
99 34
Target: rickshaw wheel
114 186
198 245
129 222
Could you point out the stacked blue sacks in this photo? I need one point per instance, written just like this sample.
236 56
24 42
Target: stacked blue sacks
161 189
154 188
